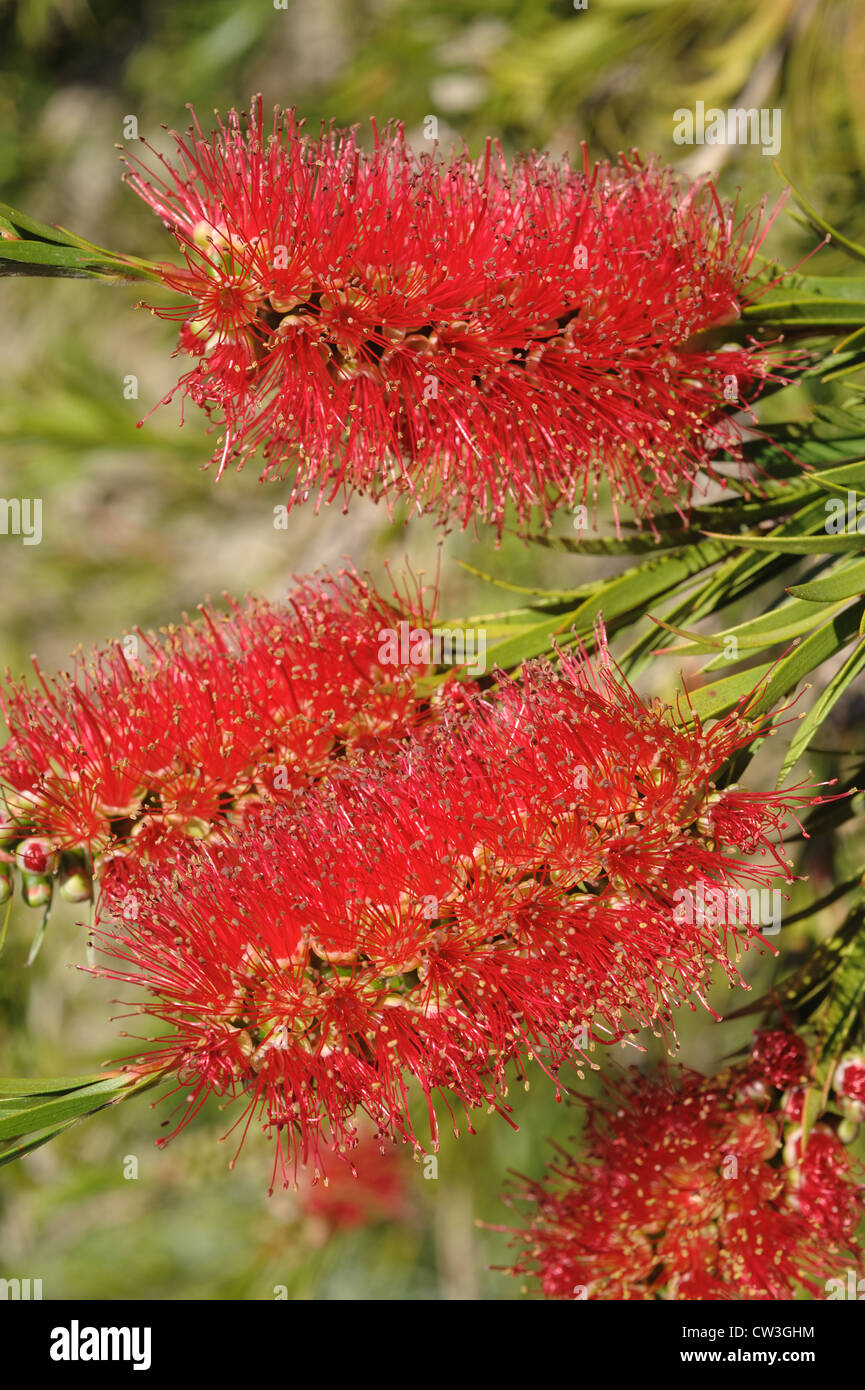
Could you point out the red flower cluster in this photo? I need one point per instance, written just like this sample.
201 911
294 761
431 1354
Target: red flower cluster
371 1186
459 333
849 1079
157 740
693 1188
848 1084
781 1057
507 884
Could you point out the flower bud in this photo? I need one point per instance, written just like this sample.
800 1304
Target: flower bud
37 856
7 883
20 804
852 1110
36 889
10 834
76 884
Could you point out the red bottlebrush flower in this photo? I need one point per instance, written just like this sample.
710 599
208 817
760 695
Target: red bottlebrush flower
683 1194
158 740
780 1056
460 333
370 1186
848 1083
510 884
793 1103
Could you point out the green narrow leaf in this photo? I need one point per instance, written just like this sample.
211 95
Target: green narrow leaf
827 699
612 545
21 222
830 286
732 580
44 1113
857 338
850 477
841 1016
796 545
545 597
818 311
846 580
70 262
40 1086
820 223
783 676
62 253
11 1155
779 625
614 599
718 698
838 364
66 260
530 642
811 652
810 980
814 451
43 1117
636 586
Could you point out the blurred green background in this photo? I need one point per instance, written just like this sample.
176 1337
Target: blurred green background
134 532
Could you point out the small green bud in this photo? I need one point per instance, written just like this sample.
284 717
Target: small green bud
76 884
36 889
7 882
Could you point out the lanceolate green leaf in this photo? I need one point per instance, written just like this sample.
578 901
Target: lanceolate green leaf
529 642
43 1112
782 677
852 247
718 698
705 576
797 545
808 984
22 222
842 1018
818 311
845 580
829 438
814 649
633 589
734 579
44 1109
779 625
11 1155
850 477
28 1087
544 598
614 600
642 543
42 258
828 697
28 247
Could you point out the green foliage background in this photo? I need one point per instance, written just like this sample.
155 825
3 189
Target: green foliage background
134 533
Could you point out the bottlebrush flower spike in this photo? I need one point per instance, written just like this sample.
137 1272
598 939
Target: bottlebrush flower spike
372 1185
158 739
461 333
848 1083
780 1057
510 884
849 1078
693 1188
